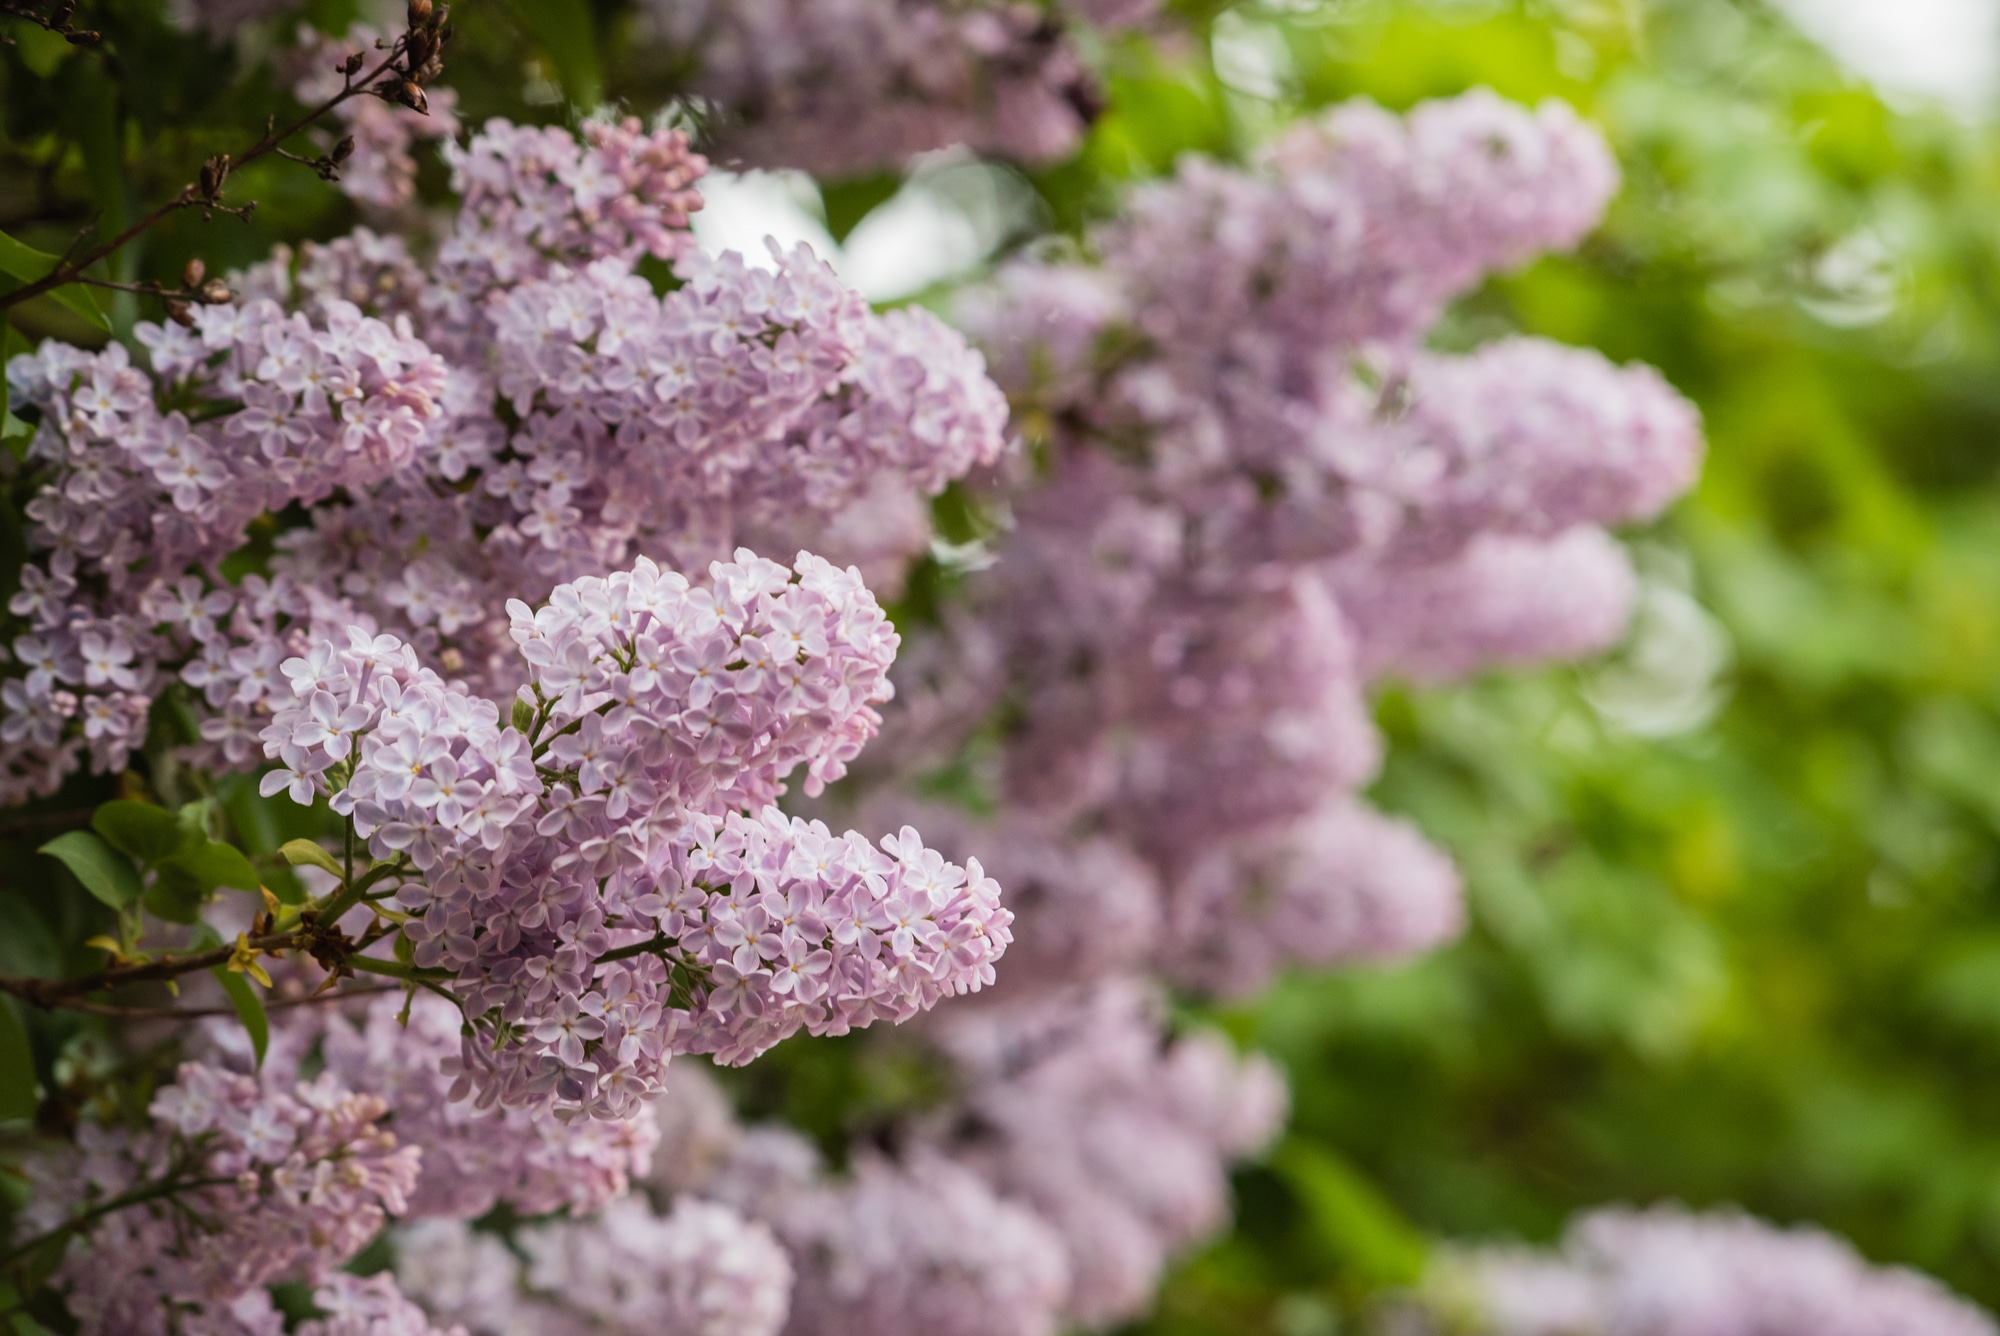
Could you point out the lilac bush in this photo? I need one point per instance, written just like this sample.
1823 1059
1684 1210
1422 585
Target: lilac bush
511 634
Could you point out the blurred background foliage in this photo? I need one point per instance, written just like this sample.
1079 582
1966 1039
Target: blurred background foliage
1736 891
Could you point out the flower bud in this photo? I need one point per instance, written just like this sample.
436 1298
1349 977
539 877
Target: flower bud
213 173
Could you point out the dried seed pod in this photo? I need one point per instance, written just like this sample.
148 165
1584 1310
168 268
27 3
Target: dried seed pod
178 313
192 275
215 292
342 151
420 12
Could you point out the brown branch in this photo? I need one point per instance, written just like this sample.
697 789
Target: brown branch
50 993
205 192
57 23
195 1013
31 824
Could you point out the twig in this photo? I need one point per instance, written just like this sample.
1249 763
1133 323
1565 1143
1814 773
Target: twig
57 22
43 823
51 993
419 46
195 1013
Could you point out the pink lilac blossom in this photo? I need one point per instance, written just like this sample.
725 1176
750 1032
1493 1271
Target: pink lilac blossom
351 1306
1502 600
593 884
283 1185
700 1269
380 172
923 1246
473 1160
1075 1109
1667 1271
744 403
847 87
137 497
1262 493
1344 883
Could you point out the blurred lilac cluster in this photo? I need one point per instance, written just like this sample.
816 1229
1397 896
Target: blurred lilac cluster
1667 1271
849 87
1262 493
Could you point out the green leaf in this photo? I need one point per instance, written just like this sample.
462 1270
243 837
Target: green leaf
17 1065
28 264
567 35
524 716
301 852
1363 1232
175 895
104 872
212 864
249 1009
148 833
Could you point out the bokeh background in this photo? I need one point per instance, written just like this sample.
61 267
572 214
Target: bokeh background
1735 890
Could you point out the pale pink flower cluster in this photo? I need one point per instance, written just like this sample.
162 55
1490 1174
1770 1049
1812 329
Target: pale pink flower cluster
286 1185
353 1306
1667 1271
578 420
924 1245
473 1160
592 881
848 87
1263 494
1079 1152
1075 1108
700 1269
137 497
381 172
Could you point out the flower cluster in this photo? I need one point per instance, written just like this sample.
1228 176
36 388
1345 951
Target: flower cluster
1074 1108
137 497
397 1049
535 196
591 882
353 1306
480 430
846 87
1669 1272
924 1246
237 1186
698 1270
1263 494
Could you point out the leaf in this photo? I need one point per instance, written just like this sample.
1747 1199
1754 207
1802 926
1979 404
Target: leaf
104 872
148 833
249 1009
28 264
212 863
175 896
567 35
301 852
17 1065
1363 1232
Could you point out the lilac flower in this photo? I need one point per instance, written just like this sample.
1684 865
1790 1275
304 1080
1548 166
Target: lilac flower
1666 1271
292 1182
